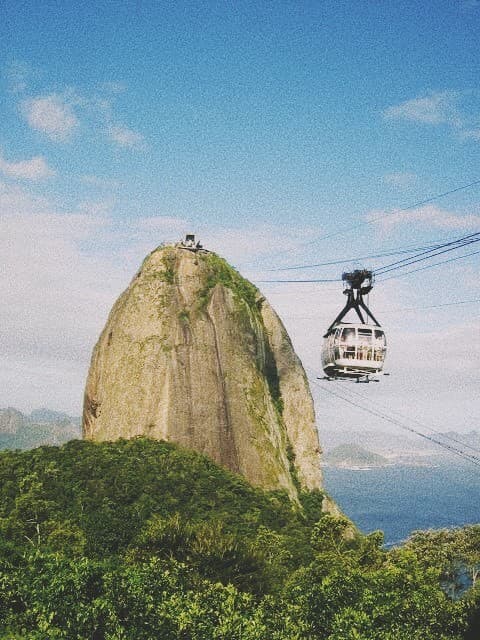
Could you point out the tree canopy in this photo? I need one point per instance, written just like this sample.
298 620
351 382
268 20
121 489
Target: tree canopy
139 539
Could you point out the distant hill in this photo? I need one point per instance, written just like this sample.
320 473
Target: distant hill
41 427
47 416
470 438
400 445
353 455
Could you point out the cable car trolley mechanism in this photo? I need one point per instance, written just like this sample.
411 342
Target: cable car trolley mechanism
354 351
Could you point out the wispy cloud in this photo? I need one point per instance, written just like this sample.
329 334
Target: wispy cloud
400 179
56 293
473 134
468 5
433 108
59 115
162 224
448 108
100 182
52 115
428 216
114 87
125 137
18 201
17 74
36 168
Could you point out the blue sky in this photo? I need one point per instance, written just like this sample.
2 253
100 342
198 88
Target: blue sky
260 125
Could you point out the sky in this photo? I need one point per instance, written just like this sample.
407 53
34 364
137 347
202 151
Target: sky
283 134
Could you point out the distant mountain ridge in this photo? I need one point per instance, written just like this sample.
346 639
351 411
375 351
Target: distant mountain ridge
40 427
352 456
471 438
400 446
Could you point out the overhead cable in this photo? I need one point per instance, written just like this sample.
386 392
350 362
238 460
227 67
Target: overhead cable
392 252
475 460
419 203
398 309
420 424
431 253
432 306
303 281
451 245
430 266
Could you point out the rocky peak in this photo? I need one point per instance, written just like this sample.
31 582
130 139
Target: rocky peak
194 354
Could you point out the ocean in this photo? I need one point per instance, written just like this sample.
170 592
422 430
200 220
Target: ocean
401 499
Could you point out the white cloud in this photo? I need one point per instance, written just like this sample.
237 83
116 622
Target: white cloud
17 74
433 108
473 134
440 108
125 137
56 291
247 246
57 115
176 227
15 199
100 182
445 360
114 87
97 209
52 115
34 169
428 215
468 5
400 179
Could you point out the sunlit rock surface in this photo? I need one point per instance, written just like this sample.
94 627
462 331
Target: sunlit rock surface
194 354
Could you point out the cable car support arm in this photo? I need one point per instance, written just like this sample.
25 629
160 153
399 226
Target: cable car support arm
357 284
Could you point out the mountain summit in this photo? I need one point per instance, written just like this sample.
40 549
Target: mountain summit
194 354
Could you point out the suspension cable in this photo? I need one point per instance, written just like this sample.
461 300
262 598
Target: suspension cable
446 247
432 253
420 424
347 228
475 460
384 254
430 266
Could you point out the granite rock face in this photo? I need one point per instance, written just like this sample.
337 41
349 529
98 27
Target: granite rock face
192 353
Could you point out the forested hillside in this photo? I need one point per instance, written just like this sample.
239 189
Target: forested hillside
141 539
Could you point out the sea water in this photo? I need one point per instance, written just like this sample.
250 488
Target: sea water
401 499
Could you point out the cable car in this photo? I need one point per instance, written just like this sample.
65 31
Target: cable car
354 351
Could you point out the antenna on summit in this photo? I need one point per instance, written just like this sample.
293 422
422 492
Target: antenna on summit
190 244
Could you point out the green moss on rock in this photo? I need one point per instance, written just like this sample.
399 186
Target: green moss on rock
220 272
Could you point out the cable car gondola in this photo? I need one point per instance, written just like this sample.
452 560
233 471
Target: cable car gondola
354 351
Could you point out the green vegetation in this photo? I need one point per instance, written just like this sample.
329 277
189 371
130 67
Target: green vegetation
292 467
456 552
184 316
140 539
220 272
168 275
273 380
